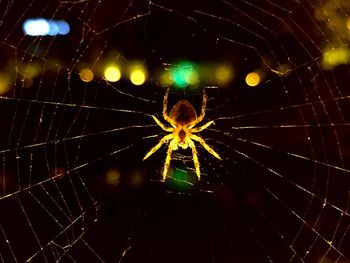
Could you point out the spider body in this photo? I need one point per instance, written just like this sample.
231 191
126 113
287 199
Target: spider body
182 118
183 113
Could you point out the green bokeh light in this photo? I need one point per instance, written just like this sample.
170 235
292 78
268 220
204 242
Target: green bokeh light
181 181
184 74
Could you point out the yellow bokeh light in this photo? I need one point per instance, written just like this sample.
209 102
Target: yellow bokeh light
223 74
5 83
30 71
348 24
113 176
165 79
137 77
86 75
193 78
335 56
253 79
112 74
136 179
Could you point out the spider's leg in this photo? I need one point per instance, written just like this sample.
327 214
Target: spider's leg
201 128
167 159
165 105
201 116
165 102
195 158
160 143
205 145
162 125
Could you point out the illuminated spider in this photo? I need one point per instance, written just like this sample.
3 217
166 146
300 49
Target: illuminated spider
182 118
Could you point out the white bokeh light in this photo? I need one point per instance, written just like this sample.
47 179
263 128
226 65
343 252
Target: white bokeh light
43 27
36 27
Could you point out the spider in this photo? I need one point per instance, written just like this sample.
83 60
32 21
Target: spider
182 118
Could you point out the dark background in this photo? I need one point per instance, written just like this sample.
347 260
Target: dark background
279 195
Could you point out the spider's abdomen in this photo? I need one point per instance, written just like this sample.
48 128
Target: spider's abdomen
183 112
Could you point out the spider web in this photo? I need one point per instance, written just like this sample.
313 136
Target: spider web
73 184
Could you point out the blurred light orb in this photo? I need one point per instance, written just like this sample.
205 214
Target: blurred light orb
348 24
181 180
44 27
136 179
223 74
165 79
112 74
53 28
86 75
335 56
193 78
36 27
5 83
184 74
113 177
137 77
63 27
30 71
253 79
